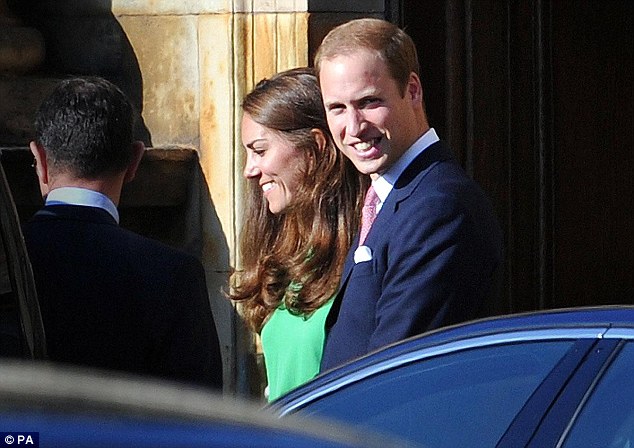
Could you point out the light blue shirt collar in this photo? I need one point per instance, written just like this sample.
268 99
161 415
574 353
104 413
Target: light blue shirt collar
384 184
82 196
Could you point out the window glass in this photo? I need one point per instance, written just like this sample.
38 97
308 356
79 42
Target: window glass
467 398
607 418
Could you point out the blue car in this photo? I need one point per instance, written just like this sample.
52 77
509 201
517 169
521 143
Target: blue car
562 378
54 406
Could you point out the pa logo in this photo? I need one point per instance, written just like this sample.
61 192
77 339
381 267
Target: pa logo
20 440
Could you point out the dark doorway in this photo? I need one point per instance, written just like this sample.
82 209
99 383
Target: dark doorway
536 99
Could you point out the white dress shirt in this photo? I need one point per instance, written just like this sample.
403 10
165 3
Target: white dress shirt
385 182
82 196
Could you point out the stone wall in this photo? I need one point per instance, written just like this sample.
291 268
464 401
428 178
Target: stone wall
196 66
185 64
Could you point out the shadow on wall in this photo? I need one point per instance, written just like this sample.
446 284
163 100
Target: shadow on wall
169 200
82 37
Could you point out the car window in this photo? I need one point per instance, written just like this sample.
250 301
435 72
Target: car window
466 398
610 407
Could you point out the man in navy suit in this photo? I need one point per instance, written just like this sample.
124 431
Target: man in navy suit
434 251
110 298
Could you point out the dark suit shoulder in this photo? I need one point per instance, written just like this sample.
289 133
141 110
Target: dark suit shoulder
435 153
92 243
115 299
72 213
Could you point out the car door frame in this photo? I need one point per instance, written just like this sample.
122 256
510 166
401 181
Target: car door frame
21 275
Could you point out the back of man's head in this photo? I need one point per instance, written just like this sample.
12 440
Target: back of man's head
86 127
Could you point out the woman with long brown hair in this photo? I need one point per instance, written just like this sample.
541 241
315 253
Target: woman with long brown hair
302 212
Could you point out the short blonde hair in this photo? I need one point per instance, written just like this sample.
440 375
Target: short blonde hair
391 44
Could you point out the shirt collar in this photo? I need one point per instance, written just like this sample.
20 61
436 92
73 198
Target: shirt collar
385 182
82 196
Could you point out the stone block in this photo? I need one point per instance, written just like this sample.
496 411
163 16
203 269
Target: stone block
218 118
270 6
166 50
171 7
291 43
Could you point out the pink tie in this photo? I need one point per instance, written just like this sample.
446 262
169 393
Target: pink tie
368 214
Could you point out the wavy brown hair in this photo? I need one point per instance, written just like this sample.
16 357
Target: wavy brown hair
308 241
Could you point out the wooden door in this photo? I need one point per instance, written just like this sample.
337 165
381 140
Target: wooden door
536 99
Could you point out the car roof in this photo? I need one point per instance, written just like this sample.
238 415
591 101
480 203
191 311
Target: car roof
589 321
43 392
605 317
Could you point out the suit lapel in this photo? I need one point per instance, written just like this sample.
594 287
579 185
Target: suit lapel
410 178
403 188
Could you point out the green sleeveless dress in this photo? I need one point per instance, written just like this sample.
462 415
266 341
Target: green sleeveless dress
293 345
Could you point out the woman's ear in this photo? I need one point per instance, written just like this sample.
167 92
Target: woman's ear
319 137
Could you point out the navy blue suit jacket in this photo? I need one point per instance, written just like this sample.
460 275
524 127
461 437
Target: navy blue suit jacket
436 256
113 299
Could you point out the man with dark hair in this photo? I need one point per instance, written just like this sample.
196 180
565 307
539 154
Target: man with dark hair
430 247
110 298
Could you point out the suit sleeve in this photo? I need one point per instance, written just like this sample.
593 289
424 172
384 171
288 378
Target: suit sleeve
193 350
430 265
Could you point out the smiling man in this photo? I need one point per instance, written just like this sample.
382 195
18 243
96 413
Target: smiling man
433 254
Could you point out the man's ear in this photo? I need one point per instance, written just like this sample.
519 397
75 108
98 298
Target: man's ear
414 88
138 149
40 164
